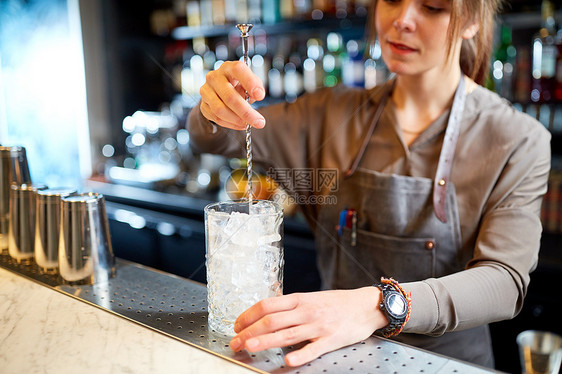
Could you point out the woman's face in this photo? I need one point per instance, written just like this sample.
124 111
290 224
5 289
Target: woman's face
413 34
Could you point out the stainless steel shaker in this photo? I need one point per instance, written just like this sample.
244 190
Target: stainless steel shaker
85 251
21 227
540 352
13 170
47 227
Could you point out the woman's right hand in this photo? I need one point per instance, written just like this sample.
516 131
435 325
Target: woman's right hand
324 320
223 97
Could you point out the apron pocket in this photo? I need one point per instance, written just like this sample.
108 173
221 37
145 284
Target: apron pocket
377 255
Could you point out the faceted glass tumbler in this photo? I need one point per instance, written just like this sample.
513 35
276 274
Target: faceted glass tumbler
244 258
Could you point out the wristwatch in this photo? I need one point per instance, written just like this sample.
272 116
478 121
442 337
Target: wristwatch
395 306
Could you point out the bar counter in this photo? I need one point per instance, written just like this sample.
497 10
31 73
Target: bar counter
147 321
44 331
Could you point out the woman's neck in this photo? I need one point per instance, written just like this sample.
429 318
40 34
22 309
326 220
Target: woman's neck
420 100
426 94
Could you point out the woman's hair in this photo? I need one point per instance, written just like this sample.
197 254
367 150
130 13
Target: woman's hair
475 52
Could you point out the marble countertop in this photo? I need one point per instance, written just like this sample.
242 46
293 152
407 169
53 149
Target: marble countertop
45 331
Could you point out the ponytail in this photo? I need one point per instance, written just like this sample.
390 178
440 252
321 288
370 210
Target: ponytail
475 52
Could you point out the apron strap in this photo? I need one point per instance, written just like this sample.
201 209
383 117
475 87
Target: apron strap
367 136
442 176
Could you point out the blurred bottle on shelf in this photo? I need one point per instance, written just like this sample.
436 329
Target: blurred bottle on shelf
242 11
361 7
303 8
271 11
261 60
342 8
353 67
503 64
254 11
162 21
293 77
312 65
292 82
218 12
319 8
287 9
179 10
522 82
260 67
375 71
275 77
230 11
332 61
193 12
329 8
222 51
544 56
173 63
195 68
209 60
194 19
206 12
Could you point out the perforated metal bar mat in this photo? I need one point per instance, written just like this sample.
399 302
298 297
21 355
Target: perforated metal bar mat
177 307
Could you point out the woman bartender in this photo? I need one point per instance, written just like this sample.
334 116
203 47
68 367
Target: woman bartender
444 177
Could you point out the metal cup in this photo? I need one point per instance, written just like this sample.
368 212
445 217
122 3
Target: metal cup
21 228
47 227
85 251
540 352
13 170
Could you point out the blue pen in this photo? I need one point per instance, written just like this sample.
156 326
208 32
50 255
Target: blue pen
342 221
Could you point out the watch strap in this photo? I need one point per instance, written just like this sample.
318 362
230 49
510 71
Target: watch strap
394 327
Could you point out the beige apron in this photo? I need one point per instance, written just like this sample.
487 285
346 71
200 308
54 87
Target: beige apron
407 228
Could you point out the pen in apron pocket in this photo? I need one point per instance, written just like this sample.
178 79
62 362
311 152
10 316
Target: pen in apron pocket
342 221
352 224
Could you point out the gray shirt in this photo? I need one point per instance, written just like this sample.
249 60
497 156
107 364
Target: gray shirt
500 173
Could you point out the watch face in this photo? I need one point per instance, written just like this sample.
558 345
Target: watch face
396 304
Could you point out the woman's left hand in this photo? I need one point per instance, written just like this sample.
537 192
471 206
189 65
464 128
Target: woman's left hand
328 320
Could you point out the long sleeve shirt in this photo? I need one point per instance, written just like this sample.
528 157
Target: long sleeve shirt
500 173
